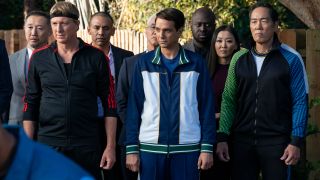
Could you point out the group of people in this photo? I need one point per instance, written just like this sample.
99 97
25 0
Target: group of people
209 109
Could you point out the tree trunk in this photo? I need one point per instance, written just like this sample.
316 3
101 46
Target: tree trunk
31 5
308 11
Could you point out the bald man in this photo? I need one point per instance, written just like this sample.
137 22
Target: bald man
202 26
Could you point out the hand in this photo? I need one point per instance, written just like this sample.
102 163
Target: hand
223 151
205 161
217 115
108 158
291 155
133 162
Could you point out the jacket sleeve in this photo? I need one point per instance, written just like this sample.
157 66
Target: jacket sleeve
33 92
206 109
299 93
135 107
122 91
228 105
105 87
5 79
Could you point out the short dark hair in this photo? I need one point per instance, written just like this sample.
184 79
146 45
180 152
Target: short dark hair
103 14
39 13
172 14
206 10
272 12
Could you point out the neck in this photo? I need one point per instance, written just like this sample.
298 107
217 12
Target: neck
170 53
150 47
201 45
263 48
7 143
69 47
105 48
224 61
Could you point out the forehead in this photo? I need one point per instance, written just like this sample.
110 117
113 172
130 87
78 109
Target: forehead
201 16
101 20
225 34
260 12
36 20
164 24
61 19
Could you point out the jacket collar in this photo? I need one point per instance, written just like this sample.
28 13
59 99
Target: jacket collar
183 59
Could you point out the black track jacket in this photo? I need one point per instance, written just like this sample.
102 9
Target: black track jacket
66 107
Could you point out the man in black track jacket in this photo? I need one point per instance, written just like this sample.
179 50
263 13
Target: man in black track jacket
64 81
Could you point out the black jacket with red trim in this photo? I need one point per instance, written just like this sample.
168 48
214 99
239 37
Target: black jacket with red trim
66 106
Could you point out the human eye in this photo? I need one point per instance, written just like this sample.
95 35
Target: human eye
253 21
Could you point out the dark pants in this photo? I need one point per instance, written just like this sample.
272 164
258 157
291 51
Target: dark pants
219 171
248 161
87 157
180 166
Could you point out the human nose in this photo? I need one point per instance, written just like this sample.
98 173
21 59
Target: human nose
34 31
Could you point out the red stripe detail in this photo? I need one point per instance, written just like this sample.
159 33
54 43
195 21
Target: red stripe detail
25 107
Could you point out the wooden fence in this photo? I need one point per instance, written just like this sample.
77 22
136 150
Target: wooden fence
126 39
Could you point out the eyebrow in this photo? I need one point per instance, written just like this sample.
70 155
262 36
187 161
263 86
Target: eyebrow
260 18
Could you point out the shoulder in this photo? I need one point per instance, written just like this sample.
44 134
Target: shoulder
289 53
189 45
17 54
2 43
124 52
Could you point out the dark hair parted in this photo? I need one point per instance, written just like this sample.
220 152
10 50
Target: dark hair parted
103 14
172 14
38 13
272 12
212 57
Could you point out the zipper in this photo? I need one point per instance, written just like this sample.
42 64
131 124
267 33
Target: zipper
168 132
255 112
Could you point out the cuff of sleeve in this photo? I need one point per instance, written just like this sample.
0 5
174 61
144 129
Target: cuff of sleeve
111 113
132 149
222 137
296 141
27 116
208 148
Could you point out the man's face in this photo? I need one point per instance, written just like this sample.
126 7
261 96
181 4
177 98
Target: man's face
202 27
261 25
64 29
37 31
101 29
166 33
151 33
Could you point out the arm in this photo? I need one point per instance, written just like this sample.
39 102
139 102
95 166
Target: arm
228 109
228 105
29 128
132 123
32 100
299 94
5 79
122 91
206 116
109 155
105 90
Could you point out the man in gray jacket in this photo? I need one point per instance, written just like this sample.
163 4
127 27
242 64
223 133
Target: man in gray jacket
37 31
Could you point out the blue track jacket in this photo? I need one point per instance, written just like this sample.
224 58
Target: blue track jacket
170 114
